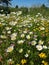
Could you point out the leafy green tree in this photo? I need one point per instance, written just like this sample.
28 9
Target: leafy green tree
7 2
16 7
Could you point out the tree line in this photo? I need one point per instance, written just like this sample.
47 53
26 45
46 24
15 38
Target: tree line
8 9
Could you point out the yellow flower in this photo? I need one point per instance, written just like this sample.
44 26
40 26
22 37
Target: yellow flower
44 62
23 61
42 55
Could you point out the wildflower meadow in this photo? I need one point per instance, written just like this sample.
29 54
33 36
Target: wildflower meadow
24 39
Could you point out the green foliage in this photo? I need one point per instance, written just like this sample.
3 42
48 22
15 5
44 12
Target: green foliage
5 1
16 7
24 10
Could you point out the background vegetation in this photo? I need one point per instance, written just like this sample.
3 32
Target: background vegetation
32 10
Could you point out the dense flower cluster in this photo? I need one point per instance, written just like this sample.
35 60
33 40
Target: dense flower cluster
24 40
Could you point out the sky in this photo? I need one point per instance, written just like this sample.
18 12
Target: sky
29 3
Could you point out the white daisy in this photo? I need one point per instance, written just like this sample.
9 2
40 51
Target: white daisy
10 49
39 47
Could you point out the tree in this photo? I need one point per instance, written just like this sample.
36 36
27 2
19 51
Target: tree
7 2
16 7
